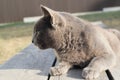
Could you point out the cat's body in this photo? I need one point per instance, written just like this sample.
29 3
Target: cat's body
77 42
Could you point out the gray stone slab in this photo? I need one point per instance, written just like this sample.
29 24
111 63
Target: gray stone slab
29 64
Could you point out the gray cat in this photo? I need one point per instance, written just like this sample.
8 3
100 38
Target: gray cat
77 42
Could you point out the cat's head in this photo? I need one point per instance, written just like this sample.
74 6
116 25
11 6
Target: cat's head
47 30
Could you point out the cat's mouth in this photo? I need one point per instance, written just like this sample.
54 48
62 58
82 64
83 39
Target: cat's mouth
35 43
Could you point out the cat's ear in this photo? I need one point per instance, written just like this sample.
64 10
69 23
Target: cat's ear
56 18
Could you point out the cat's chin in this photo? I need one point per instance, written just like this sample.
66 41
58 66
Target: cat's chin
42 47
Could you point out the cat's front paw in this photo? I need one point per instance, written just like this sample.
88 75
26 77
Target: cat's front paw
55 71
90 73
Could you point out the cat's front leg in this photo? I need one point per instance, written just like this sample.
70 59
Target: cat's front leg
60 69
97 65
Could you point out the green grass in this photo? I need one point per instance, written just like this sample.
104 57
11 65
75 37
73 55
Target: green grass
17 24
112 19
102 16
16 30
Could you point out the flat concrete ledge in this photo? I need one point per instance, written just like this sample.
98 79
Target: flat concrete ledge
29 64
